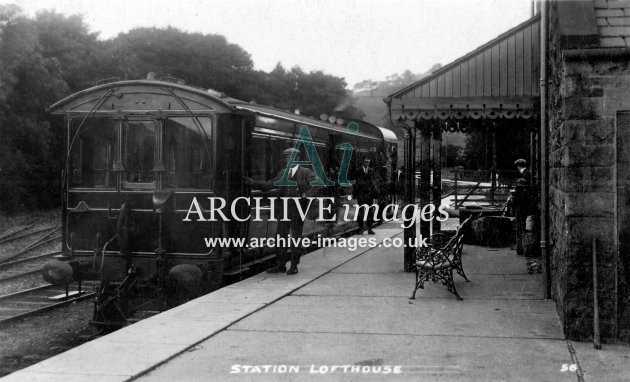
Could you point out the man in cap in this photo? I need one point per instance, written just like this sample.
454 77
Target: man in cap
521 165
302 177
364 190
523 204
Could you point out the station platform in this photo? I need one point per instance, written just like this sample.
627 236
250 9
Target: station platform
347 316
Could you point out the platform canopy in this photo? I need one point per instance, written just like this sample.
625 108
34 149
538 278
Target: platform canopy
498 79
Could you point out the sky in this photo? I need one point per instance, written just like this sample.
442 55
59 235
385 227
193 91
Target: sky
354 39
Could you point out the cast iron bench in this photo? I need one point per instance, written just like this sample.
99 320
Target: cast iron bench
439 259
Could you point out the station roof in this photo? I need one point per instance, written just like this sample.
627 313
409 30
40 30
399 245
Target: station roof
498 79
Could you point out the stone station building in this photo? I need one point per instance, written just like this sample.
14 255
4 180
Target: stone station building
564 75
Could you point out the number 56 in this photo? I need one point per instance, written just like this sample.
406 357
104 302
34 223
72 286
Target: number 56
568 367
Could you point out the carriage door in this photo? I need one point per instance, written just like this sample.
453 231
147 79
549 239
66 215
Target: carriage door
621 264
233 164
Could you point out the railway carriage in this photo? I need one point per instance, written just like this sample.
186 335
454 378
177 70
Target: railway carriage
138 154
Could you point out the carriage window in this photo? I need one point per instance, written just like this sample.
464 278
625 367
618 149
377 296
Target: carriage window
92 153
259 167
139 153
187 151
322 155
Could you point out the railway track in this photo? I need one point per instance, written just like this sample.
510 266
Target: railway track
36 300
20 234
22 253
22 291
27 266
8 236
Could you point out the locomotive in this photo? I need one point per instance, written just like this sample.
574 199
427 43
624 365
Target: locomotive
139 152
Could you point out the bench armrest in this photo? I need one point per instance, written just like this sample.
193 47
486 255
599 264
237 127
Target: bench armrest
439 240
431 257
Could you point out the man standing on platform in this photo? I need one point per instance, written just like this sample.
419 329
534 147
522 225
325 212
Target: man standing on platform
299 183
364 191
523 203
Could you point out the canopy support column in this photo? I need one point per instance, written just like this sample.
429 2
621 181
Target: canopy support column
425 174
410 168
437 173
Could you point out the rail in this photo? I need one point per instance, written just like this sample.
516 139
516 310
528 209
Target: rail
24 267
489 188
36 300
37 243
11 235
21 234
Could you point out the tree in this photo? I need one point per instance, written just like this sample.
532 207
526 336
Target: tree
67 43
46 58
33 58
393 83
512 142
207 61
312 93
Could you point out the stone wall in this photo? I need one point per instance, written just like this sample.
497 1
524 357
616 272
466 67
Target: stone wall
587 88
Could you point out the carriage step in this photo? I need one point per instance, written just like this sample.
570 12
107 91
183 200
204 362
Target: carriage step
63 296
236 271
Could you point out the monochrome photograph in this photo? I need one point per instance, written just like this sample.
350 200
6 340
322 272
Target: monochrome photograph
313 190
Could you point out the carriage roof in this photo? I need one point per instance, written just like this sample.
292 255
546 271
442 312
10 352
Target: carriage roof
169 96
166 96
365 129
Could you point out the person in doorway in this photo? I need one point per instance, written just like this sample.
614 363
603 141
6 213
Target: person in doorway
364 191
524 173
302 177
